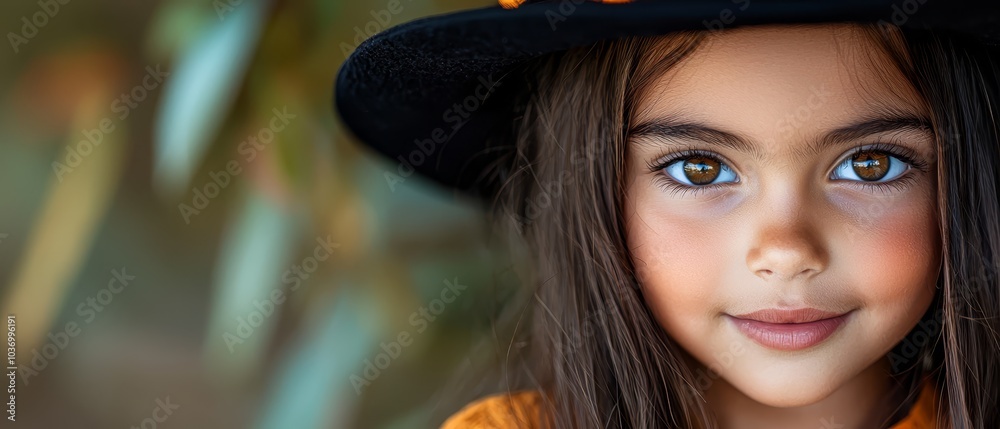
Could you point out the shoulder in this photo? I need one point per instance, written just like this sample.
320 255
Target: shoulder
504 410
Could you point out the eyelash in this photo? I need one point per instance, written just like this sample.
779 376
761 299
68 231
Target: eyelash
668 184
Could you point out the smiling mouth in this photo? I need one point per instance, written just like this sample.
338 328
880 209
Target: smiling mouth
789 329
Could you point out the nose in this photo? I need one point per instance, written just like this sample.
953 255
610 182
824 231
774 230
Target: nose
786 252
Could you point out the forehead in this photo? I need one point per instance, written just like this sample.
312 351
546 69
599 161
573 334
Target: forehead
781 84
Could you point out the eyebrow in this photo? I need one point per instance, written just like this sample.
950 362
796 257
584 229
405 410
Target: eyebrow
670 129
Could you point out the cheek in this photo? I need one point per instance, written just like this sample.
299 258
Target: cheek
893 258
678 261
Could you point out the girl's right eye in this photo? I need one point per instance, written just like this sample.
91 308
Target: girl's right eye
700 171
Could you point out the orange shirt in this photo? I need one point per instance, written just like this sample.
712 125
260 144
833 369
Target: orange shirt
520 410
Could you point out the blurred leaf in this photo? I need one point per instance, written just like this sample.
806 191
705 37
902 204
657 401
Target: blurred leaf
313 388
175 26
201 91
47 94
253 256
62 235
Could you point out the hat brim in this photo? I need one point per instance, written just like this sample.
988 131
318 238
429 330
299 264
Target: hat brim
415 92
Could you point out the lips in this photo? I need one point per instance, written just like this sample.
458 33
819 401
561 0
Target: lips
789 329
801 315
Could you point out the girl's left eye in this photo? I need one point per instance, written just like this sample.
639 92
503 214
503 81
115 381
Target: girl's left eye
870 166
699 170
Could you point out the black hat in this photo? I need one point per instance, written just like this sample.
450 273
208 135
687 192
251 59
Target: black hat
417 92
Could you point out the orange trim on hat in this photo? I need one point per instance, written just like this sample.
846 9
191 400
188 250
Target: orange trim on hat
512 4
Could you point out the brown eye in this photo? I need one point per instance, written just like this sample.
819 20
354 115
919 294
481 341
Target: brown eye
870 165
701 170
696 170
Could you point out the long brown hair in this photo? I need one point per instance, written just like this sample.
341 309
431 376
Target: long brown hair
595 350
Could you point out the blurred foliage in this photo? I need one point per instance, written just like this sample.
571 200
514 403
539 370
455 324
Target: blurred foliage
128 148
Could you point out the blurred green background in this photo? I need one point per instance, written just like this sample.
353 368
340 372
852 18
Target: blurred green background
189 237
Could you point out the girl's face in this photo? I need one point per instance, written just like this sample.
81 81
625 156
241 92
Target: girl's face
747 193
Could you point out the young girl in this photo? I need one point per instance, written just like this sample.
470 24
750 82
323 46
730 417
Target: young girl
769 226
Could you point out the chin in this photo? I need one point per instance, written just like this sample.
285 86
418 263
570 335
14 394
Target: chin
784 388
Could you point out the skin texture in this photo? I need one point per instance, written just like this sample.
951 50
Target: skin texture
786 235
